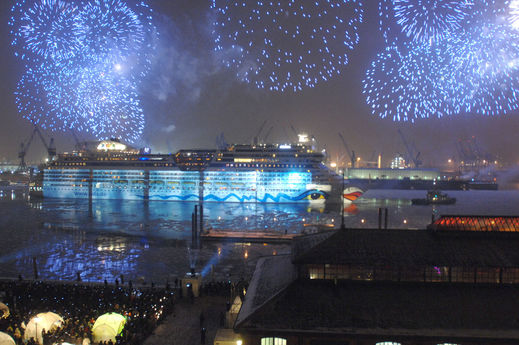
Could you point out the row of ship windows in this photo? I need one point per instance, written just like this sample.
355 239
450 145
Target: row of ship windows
247 165
425 274
165 174
132 164
121 179
138 187
173 184
75 187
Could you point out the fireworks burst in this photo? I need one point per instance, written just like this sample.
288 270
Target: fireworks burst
402 87
91 100
482 69
286 45
474 72
431 20
45 29
86 61
113 32
513 18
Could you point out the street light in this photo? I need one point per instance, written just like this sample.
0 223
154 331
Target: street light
36 320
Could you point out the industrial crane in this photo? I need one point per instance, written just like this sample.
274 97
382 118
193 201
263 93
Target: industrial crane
80 145
294 131
411 151
256 137
351 154
221 144
472 156
268 134
51 148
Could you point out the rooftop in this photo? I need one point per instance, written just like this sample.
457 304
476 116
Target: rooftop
387 308
409 248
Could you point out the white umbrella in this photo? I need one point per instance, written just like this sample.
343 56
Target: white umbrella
5 339
43 321
107 327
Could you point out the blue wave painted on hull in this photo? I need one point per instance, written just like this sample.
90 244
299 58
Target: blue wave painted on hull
268 196
316 194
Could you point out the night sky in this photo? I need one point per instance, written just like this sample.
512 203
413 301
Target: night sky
189 99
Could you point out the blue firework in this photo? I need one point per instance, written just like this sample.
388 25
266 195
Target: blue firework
92 99
482 66
431 20
513 14
34 99
45 29
85 61
108 103
286 45
387 22
402 87
113 32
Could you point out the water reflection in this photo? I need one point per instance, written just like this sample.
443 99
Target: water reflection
151 241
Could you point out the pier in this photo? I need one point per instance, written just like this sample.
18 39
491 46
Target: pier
247 236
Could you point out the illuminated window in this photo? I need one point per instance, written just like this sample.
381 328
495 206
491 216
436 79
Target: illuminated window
273 341
316 271
388 343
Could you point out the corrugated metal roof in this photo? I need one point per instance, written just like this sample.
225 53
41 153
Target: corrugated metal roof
476 223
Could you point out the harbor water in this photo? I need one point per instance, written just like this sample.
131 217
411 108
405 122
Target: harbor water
151 241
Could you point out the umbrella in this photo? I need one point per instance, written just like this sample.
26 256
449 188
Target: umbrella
5 339
107 327
48 321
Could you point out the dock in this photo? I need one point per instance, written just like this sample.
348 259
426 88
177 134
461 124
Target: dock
247 236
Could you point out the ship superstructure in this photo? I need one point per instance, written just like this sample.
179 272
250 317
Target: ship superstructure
238 173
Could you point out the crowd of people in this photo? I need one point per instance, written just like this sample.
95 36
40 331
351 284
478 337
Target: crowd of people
80 305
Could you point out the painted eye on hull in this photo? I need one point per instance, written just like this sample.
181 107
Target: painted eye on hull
316 196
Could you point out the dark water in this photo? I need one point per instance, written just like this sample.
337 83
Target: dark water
150 241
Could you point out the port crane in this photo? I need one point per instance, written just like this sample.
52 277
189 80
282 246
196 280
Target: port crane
411 151
51 148
268 134
221 144
351 154
294 131
472 156
80 145
256 137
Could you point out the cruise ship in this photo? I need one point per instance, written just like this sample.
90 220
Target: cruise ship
263 173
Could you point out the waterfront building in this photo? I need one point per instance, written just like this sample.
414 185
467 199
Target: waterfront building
371 286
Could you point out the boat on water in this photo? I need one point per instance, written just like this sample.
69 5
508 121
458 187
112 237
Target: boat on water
434 197
265 173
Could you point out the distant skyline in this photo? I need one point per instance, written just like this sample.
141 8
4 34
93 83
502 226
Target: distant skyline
189 98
